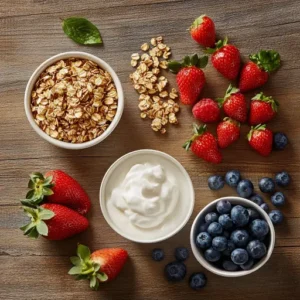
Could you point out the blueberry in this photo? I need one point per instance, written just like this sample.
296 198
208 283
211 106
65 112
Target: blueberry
225 221
215 229
158 254
259 228
278 199
197 281
219 243
212 255
239 256
257 199
248 265
280 141
181 253
211 217
216 182
265 207
276 216
223 207
230 248
203 240
267 185
240 216
175 271
245 188
228 265
232 178
256 249
240 238
253 214
203 227
282 179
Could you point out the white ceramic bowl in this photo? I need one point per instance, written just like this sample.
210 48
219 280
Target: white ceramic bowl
50 61
115 175
200 219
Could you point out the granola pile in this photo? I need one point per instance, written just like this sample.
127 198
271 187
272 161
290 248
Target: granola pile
156 100
74 100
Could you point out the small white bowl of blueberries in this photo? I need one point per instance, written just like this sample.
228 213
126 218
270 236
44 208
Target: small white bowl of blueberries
232 237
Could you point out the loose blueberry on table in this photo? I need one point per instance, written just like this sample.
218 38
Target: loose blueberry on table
197 281
181 253
266 185
232 178
158 254
276 216
283 179
175 271
278 199
216 182
245 188
280 141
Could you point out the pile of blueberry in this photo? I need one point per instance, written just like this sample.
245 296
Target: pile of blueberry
176 271
245 189
233 238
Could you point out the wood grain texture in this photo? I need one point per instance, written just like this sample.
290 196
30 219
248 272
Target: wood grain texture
30 32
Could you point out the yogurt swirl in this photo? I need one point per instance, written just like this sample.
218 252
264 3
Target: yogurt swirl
146 196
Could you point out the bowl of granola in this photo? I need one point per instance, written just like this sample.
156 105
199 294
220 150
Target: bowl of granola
74 100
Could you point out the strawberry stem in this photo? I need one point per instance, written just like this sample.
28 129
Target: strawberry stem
85 268
198 130
188 61
268 60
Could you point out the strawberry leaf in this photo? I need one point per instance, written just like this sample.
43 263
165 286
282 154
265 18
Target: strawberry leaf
42 228
102 276
202 62
268 60
75 260
93 282
83 252
174 66
76 270
46 214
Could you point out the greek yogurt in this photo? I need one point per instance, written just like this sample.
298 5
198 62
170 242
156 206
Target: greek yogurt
146 196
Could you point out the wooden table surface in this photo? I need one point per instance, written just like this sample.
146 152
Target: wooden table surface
30 32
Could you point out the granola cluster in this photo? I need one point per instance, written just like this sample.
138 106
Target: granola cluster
156 101
74 100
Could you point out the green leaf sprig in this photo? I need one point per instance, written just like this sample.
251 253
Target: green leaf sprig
81 31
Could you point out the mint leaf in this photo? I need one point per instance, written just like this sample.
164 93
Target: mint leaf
81 31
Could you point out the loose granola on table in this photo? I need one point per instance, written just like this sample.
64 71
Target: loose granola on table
155 101
74 100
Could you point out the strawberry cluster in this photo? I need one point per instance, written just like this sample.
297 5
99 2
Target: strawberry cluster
226 59
56 204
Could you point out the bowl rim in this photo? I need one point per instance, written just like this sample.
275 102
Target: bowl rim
199 256
65 55
115 164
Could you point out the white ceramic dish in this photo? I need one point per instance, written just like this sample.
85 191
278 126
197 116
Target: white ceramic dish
42 67
174 223
200 219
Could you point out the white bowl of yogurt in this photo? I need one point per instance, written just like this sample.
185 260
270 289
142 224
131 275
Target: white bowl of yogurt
146 196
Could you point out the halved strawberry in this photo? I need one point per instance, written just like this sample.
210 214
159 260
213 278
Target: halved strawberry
100 266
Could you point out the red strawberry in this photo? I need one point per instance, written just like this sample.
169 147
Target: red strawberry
207 111
204 145
262 109
256 73
100 266
226 59
228 132
54 222
203 31
190 78
58 187
234 104
261 139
